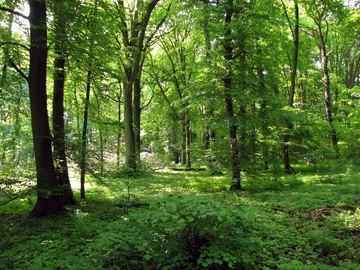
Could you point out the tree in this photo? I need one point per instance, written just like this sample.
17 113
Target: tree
174 75
49 199
295 37
319 12
49 188
61 51
133 30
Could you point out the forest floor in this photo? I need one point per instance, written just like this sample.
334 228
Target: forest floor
190 220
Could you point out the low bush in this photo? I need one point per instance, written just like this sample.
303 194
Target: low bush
180 233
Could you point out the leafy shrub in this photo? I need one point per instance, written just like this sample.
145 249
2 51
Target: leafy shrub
180 233
330 249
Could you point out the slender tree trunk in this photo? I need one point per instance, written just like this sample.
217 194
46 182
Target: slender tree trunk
102 161
137 116
227 81
326 81
49 201
289 125
118 130
60 158
84 136
134 38
188 140
183 140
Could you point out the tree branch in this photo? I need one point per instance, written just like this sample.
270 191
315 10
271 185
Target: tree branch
14 12
22 74
15 44
148 41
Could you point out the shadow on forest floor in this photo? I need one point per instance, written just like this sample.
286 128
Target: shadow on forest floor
289 222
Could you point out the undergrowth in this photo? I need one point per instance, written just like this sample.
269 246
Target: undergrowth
189 220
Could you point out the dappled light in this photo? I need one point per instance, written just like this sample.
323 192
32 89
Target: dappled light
179 135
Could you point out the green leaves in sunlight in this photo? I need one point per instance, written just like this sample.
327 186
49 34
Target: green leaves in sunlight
182 232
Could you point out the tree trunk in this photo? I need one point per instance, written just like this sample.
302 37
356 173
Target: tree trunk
60 158
188 140
326 81
119 131
183 141
137 116
227 80
289 125
130 157
49 201
134 38
102 160
83 137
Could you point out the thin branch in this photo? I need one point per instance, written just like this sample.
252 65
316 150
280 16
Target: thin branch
148 103
149 39
22 74
288 18
14 12
15 44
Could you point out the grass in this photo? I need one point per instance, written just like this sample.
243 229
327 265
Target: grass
283 222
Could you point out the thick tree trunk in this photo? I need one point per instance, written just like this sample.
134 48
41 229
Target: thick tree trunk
130 156
49 201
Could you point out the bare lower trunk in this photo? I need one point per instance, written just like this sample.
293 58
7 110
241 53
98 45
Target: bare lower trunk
227 80
327 95
60 158
83 137
49 201
188 141
137 117
130 156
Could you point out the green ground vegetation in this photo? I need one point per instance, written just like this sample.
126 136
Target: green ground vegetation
189 220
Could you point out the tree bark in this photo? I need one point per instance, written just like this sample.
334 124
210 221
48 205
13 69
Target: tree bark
137 116
288 124
326 82
60 158
49 200
133 39
188 140
84 136
227 81
130 157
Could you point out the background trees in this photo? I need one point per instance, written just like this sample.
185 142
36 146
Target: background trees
238 84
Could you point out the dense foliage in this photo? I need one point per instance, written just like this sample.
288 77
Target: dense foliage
188 220
154 109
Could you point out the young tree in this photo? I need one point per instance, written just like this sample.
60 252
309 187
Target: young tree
319 11
295 37
135 41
